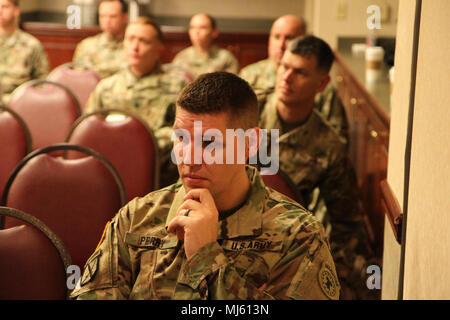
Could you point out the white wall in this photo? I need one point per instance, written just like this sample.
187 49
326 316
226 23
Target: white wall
252 9
427 256
397 141
348 18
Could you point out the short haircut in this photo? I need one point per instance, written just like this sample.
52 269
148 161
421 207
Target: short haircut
311 45
212 21
149 21
216 92
123 4
15 2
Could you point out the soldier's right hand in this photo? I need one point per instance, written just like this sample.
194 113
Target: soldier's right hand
200 226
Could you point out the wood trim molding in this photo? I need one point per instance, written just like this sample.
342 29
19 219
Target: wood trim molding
393 210
379 110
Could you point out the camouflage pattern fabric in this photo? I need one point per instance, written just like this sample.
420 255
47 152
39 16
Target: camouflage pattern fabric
332 110
106 56
218 59
262 78
270 248
313 155
152 96
22 58
260 75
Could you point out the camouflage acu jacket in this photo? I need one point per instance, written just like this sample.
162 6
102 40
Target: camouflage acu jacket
313 155
218 59
152 96
271 248
22 58
104 55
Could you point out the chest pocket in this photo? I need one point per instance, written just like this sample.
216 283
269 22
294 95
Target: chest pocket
156 253
254 258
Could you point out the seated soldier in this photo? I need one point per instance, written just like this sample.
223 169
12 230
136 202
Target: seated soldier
203 56
262 75
22 57
104 52
142 87
314 155
219 233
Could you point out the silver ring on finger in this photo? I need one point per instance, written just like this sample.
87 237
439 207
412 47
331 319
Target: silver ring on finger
186 213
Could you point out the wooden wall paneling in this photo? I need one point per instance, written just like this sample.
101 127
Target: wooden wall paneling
60 42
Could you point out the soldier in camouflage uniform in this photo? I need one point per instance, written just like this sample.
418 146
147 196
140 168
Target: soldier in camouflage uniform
22 57
142 87
104 52
313 155
203 56
218 234
262 74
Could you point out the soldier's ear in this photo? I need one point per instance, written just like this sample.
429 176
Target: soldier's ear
215 34
323 83
253 141
161 49
16 12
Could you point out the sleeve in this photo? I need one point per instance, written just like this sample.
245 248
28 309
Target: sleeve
107 273
39 63
331 108
305 271
80 52
94 102
339 190
232 64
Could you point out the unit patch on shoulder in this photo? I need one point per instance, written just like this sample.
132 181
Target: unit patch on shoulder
328 282
90 268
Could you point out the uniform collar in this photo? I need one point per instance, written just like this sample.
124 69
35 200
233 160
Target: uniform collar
10 40
247 221
105 40
272 121
212 52
149 80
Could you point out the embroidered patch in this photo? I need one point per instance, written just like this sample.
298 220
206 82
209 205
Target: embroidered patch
328 282
90 268
253 244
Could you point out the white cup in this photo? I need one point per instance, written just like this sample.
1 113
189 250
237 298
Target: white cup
374 63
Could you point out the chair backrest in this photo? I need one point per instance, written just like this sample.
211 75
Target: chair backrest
79 78
283 184
76 198
33 260
128 143
48 108
15 143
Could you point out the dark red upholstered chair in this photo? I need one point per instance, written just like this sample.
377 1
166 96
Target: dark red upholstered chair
48 108
282 183
75 198
77 77
15 143
33 260
128 143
